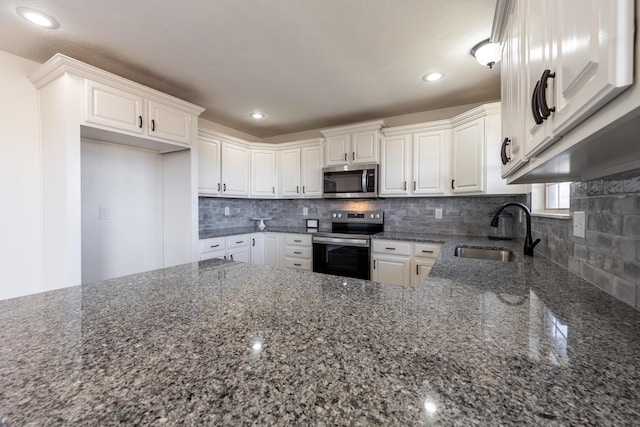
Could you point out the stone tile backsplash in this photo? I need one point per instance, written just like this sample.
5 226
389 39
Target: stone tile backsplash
467 216
609 255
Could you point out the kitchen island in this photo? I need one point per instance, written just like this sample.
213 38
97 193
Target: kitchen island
227 343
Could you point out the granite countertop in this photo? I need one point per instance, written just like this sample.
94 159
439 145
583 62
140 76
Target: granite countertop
224 343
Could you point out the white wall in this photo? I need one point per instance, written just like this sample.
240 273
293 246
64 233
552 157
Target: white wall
20 180
127 183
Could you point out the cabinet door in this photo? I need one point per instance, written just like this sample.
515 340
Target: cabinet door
271 248
263 173
364 147
209 166
594 60
113 108
241 254
429 162
311 171
169 123
336 150
538 57
468 157
420 269
290 173
257 248
395 155
513 100
391 270
235 170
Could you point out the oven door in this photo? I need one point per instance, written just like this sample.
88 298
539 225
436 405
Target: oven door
342 257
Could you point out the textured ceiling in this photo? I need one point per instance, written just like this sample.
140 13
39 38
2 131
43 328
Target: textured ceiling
305 63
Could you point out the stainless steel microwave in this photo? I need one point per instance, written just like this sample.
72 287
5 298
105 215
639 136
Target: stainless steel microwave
350 181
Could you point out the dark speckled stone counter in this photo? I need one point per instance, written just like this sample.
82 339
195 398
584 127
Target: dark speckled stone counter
223 343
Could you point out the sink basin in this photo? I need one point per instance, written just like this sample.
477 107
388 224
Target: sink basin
491 254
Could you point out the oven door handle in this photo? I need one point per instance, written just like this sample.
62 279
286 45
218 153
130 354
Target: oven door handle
347 242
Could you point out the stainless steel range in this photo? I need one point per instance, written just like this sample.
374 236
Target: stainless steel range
346 250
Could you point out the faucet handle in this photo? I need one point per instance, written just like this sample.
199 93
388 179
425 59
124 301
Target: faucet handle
535 243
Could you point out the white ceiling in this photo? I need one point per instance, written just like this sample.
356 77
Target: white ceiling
307 64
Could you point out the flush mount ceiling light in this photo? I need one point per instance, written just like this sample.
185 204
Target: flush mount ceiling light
257 116
487 53
432 77
36 17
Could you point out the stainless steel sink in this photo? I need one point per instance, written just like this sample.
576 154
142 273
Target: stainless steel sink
491 254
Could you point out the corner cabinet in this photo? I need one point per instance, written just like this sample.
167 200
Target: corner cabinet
352 144
468 152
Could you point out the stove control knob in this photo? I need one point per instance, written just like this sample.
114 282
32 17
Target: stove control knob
335 214
339 215
377 216
371 216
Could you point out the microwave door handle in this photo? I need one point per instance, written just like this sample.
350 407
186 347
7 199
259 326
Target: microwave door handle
364 180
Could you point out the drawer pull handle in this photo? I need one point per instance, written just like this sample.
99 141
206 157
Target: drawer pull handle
231 257
427 252
215 246
298 253
298 241
241 241
374 264
298 265
390 249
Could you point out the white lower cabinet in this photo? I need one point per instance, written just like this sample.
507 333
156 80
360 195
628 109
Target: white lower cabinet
233 248
271 245
297 251
402 263
257 248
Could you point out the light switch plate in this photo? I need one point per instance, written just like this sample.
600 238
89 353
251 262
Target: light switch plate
226 211
438 213
104 214
579 224
305 211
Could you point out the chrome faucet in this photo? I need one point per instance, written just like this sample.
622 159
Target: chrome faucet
529 244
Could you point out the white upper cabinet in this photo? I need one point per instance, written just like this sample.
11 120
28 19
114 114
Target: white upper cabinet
209 165
573 58
594 57
235 170
311 171
513 92
130 112
263 173
166 122
108 106
352 144
300 170
413 159
468 151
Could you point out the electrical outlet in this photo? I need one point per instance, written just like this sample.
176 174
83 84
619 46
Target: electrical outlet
104 214
579 224
438 213
226 211
305 211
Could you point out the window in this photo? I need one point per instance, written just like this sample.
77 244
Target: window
556 196
551 199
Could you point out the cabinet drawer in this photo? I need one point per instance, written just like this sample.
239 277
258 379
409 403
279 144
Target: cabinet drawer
238 241
212 245
298 252
298 263
213 254
427 250
298 240
391 247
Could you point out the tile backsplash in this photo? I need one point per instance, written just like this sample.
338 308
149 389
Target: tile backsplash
609 255
468 216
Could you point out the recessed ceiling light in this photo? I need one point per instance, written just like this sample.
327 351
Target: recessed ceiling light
432 77
36 17
257 116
